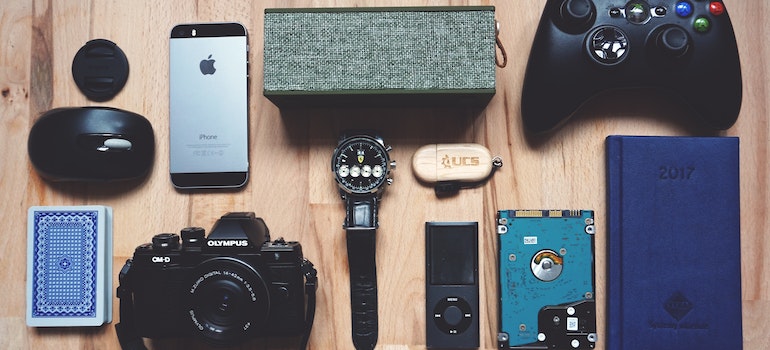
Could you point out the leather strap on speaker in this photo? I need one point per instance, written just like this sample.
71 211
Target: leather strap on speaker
361 226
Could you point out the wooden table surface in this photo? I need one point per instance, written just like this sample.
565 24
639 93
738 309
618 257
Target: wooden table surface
291 186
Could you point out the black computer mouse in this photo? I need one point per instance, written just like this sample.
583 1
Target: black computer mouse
91 144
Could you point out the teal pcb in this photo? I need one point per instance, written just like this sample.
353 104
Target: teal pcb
546 282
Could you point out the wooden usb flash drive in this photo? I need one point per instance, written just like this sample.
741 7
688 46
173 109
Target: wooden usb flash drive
455 162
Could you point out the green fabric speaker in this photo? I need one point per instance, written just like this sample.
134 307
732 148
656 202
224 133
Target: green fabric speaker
380 56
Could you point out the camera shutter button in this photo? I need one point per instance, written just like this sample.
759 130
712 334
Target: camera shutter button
193 236
165 241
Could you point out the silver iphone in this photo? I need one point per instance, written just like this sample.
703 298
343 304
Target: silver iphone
208 106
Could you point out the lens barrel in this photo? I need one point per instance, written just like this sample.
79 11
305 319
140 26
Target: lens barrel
228 301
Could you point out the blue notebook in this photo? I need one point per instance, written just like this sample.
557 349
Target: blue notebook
674 259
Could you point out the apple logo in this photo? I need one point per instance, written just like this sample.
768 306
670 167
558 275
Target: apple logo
207 66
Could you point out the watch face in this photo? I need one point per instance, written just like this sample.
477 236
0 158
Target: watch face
360 165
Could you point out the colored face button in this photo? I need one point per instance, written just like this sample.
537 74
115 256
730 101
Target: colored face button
683 9
702 24
716 8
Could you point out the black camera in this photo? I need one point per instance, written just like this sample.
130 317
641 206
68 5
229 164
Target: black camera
228 287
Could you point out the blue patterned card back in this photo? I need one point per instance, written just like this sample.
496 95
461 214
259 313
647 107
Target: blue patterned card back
69 266
64 264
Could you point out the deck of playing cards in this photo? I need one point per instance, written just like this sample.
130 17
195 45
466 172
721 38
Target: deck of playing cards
69 266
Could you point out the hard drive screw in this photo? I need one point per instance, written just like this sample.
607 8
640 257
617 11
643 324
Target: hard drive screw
556 320
522 327
589 295
589 221
512 257
563 251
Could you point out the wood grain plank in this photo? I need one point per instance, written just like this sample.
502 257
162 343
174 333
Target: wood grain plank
291 186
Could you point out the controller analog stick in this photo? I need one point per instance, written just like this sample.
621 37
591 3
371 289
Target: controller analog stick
577 14
673 41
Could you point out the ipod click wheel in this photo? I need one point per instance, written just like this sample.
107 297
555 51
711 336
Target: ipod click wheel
546 280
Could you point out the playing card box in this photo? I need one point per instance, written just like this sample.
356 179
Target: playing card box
69 266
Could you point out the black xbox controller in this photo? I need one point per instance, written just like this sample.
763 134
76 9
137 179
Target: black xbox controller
582 47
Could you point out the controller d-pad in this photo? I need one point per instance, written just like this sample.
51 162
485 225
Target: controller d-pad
607 45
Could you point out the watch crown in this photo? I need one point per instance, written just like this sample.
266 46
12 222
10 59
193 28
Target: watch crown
388 148
390 181
393 164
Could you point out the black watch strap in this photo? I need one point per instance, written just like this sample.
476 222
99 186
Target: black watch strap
361 225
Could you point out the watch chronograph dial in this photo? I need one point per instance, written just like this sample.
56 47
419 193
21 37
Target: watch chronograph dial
360 164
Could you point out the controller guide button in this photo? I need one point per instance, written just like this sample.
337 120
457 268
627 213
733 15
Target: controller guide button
701 25
684 9
607 45
716 8
638 12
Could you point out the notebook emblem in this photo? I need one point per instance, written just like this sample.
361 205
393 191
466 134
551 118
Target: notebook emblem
678 306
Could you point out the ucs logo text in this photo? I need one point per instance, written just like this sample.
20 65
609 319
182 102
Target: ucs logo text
225 288
454 161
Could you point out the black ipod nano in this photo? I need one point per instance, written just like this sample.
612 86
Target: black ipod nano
451 285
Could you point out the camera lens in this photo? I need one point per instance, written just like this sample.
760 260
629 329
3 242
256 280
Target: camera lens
222 302
228 301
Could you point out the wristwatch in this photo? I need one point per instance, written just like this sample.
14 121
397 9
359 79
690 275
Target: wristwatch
361 166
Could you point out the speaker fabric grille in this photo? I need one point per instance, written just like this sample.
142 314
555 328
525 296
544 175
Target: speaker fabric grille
321 50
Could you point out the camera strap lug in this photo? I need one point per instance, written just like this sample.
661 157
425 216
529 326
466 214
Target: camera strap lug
311 284
126 330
